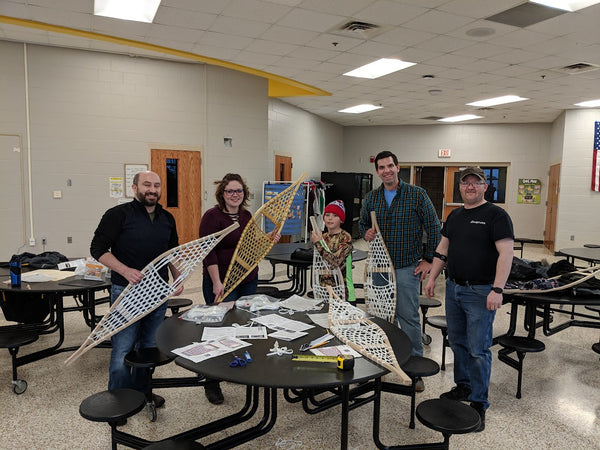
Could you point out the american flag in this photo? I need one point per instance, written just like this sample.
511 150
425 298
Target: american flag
596 160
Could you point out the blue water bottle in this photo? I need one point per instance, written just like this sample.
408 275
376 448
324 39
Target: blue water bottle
15 271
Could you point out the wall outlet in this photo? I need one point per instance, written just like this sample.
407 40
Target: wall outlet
572 237
69 240
32 242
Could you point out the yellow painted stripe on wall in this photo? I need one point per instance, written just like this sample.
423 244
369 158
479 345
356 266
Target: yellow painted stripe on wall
278 86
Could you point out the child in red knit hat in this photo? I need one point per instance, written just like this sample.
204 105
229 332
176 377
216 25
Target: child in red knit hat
337 251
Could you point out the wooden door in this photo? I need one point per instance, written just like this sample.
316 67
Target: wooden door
449 201
283 168
283 172
552 206
180 173
431 178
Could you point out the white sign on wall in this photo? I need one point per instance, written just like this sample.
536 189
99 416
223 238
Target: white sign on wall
444 153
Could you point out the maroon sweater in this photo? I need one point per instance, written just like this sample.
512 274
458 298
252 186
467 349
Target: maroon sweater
215 220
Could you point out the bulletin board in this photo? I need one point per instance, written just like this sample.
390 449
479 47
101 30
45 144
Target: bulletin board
297 217
130 171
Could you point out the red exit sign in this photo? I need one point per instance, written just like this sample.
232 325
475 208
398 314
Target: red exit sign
444 153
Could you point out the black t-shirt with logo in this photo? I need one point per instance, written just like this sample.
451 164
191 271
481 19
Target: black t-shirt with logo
472 233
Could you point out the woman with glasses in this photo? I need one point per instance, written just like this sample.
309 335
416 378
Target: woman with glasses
232 199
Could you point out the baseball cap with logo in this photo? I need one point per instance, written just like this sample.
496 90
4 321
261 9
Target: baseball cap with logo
472 170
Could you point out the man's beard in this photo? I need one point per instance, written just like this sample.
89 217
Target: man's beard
144 200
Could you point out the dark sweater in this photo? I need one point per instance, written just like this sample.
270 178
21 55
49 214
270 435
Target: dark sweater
128 233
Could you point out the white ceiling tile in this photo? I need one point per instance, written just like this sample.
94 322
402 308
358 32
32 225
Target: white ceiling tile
270 47
437 22
290 35
387 12
184 18
239 27
212 39
337 7
310 20
251 10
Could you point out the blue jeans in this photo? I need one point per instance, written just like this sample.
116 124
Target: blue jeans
470 332
407 306
137 335
248 288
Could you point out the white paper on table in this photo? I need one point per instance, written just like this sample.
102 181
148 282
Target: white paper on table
287 336
321 319
43 275
278 323
298 303
201 351
212 333
336 350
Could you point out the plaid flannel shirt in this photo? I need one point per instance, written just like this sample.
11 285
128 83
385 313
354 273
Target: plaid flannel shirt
402 224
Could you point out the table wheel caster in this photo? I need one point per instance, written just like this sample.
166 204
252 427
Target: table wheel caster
426 339
19 386
151 411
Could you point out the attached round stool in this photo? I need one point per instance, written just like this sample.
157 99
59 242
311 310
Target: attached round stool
149 359
596 346
440 323
171 444
112 406
417 367
13 339
521 345
175 303
448 417
425 303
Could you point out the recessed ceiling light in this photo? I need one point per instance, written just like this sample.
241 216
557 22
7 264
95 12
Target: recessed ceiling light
566 5
360 109
379 68
460 118
498 100
137 10
589 103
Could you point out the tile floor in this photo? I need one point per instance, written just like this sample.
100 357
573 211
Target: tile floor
560 407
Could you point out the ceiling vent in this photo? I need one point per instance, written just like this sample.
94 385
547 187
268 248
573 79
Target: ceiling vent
356 28
576 68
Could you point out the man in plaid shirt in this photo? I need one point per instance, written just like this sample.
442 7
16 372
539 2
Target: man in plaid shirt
404 213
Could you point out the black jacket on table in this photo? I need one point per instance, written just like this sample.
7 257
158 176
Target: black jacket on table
128 233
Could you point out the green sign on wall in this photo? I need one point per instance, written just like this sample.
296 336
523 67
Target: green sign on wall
529 191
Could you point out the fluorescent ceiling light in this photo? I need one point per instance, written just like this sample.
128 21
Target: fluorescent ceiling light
460 118
379 68
360 109
589 103
138 10
566 5
498 100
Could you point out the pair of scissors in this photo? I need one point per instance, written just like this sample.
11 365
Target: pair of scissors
237 362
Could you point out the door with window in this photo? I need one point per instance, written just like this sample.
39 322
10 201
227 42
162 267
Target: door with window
180 173
552 207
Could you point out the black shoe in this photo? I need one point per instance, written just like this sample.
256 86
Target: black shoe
213 393
481 411
419 385
159 401
459 393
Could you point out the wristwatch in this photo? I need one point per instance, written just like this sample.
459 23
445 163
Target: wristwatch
497 290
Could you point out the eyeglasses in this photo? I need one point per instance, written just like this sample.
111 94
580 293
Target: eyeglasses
234 191
474 184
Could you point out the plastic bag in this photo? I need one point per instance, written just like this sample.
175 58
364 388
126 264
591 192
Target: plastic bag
207 313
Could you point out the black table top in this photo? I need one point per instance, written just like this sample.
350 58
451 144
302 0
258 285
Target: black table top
283 253
556 297
67 286
275 371
583 253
